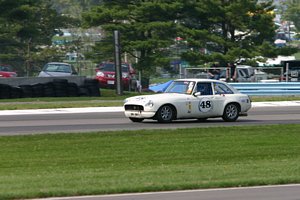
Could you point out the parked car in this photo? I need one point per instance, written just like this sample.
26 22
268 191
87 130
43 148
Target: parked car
293 70
244 73
6 71
57 69
105 74
188 99
293 75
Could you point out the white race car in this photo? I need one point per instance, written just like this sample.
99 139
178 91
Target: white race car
187 99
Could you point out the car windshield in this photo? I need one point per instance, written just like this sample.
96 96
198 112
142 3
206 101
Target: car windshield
57 68
110 67
5 68
181 87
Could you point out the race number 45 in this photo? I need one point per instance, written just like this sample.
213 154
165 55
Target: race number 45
205 105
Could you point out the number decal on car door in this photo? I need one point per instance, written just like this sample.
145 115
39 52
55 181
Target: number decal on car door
205 105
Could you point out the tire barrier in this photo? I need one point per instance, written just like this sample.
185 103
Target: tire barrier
56 88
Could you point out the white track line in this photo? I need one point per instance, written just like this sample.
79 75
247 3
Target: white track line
121 109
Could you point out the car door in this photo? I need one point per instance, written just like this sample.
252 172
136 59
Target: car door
221 93
203 101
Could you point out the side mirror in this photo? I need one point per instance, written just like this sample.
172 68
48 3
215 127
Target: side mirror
196 94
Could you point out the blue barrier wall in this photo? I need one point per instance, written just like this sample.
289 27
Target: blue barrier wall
256 89
268 89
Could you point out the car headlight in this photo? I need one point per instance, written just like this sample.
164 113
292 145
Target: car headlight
101 74
149 104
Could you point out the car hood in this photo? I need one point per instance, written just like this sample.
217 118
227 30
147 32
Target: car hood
49 74
107 72
143 99
7 74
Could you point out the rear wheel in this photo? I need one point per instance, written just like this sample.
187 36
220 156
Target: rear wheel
136 119
165 114
231 113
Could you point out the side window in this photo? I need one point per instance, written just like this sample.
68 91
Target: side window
204 88
222 89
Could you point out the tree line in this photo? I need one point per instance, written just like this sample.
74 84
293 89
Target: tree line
153 32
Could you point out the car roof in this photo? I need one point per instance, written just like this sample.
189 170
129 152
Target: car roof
60 63
199 80
244 66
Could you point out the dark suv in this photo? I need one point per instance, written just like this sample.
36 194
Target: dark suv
105 73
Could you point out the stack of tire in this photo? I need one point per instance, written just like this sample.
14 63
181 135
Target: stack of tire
90 88
5 91
56 88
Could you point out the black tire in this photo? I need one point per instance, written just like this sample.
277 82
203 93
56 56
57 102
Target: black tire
165 114
15 92
5 91
26 91
49 90
38 90
83 91
231 112
136 119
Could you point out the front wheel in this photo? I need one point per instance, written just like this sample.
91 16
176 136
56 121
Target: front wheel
231 113
165 114
136 119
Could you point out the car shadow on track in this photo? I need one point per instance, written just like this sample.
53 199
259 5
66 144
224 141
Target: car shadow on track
208 121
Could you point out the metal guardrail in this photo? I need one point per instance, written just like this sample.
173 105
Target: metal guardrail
268 89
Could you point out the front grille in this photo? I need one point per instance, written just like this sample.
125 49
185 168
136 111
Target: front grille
134 107
110 75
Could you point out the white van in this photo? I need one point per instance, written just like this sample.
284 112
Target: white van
244 73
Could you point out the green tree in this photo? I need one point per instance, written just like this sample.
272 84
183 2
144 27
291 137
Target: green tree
292 13
73 8
147 29
212 30
25 27
228 30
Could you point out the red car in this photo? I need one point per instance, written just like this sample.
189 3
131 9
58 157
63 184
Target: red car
105 73
6 71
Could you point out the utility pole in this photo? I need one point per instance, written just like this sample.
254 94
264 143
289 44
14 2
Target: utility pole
28 58
118 72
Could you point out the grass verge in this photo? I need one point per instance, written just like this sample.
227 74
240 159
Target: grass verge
108 98
297 56
150 160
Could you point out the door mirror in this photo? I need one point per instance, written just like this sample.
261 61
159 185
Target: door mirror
196 94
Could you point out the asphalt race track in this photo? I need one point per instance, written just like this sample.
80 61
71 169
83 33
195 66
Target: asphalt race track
16 123
280 192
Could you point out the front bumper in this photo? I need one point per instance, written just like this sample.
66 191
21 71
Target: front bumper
139 114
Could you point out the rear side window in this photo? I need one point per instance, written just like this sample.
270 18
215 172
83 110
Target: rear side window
221 88
204 88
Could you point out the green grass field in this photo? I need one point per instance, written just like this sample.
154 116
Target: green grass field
130 161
